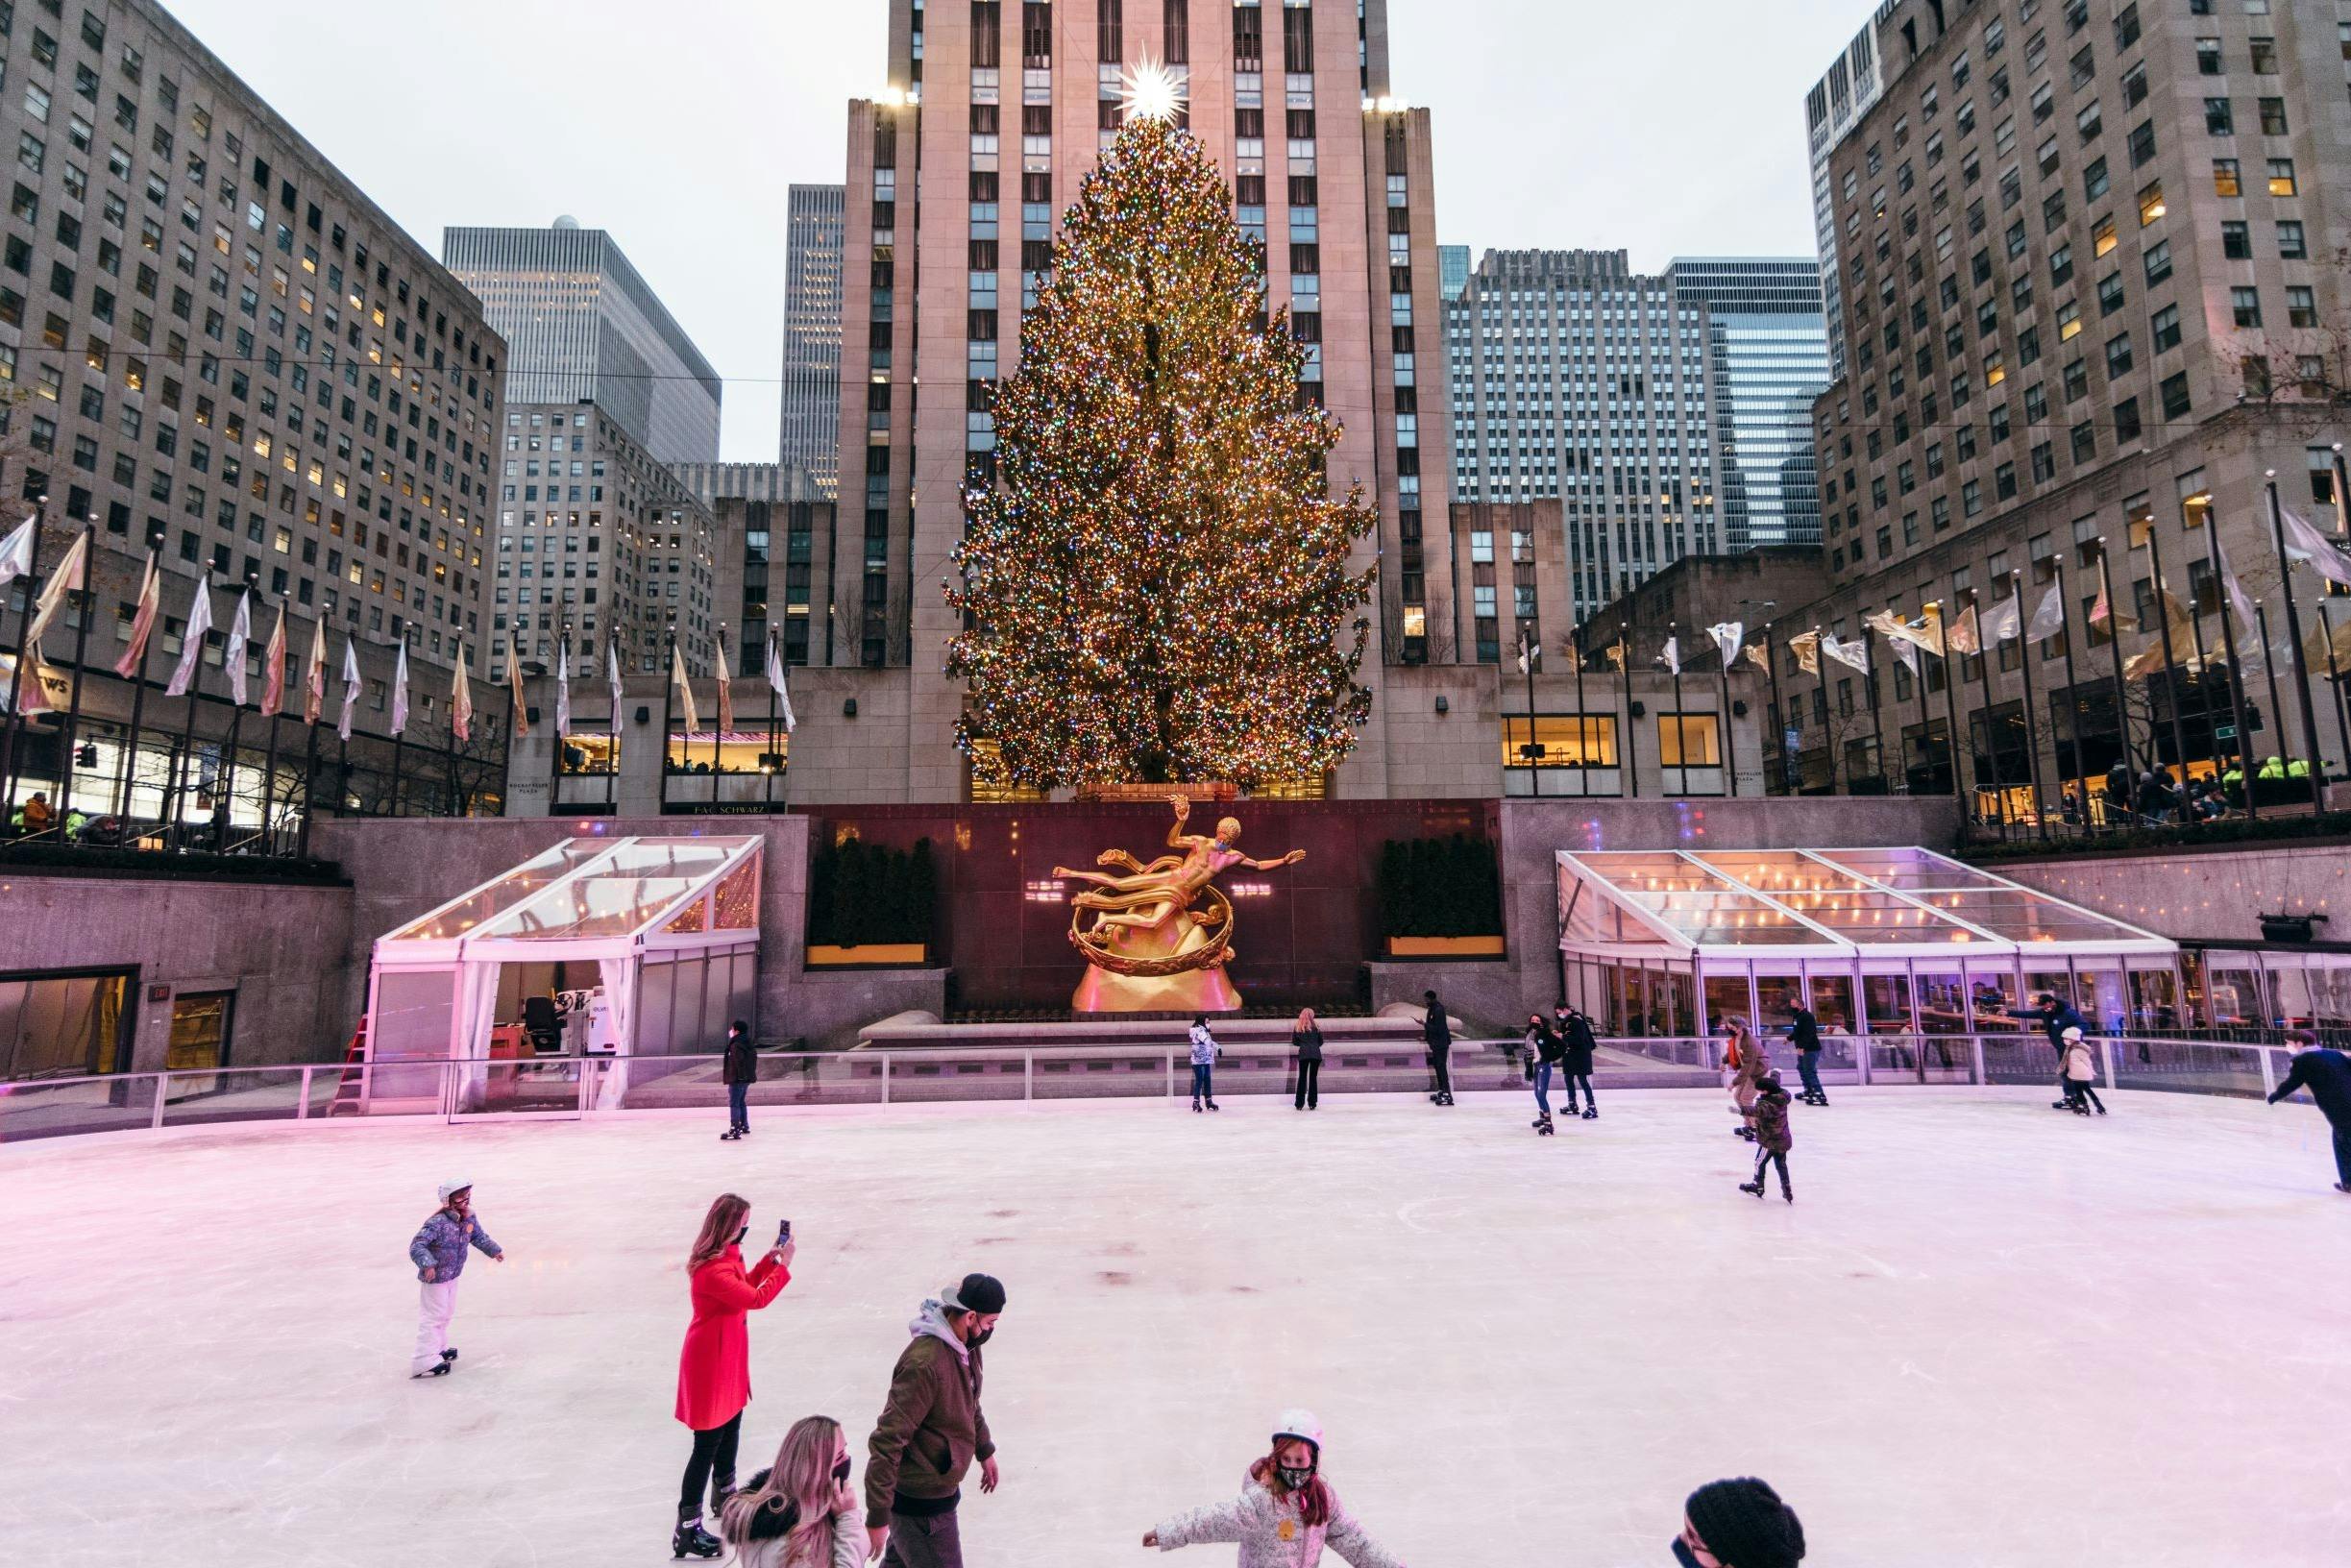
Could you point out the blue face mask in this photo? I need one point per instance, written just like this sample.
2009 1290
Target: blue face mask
1682 1554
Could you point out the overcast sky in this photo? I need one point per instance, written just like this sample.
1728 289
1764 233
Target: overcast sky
1665 128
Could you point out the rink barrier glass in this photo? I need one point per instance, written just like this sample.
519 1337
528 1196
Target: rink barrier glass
574 1087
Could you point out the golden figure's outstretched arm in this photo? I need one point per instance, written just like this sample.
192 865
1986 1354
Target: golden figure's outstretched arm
1290 859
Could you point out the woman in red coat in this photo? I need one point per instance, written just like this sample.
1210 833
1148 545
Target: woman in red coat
714 1370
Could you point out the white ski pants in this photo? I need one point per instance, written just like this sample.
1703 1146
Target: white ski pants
436 1304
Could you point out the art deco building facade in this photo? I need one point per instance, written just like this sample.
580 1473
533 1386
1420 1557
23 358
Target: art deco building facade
585 326
2094 282
811 432
957 177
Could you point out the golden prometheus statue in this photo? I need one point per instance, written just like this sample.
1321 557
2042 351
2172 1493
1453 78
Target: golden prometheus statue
1163 933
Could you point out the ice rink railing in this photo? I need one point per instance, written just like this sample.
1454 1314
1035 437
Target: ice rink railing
592 1086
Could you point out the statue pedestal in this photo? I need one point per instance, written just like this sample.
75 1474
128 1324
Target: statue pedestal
1196 990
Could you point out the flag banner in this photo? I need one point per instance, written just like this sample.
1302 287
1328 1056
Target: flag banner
726 695
612 678
191 646
514 684
1908 652
1727 636
2102 610
273 668
314 678
47 689
142 620
1670 655
351 684
17 551
2314 550
1924 633
563 684
1615 654
460 701
685 687
775 678
1807 651
71 577
1530 654
232 657
400 690
1853 655
2049 616
1965 639
1758 657
2002 621
2183 640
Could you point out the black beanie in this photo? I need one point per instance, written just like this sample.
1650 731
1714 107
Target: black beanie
979 1293
1745 1525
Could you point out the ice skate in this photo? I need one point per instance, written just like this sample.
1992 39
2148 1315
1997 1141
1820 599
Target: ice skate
1591 1112
1542 1124
440 1371
691 1540
448 1355
1756 1188
729 1135
1195 1105
2343 1186
1787 1192
1214 1106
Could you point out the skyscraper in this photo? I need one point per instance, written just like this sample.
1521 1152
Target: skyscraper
1573 377
585 327
1832 107
956 179
1453 264
811 435
1767 358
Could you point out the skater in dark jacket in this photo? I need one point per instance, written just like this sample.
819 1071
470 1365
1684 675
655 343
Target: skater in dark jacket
1305 1042
1576 1032
1438 1033
740 1071
1545 1050
1805 1034
1772 1138
2327 1076
2056 1016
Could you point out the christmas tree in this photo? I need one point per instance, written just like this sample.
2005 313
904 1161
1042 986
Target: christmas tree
1156 582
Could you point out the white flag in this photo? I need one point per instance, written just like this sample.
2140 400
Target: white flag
2306 544
726 697
351 684
191 646
1530 653
17 552
514 682
612 677
1908 652
1671 654
460 701
1853 655
2049 616
563 686
240 633
775 678
315 679
1727 636
71 577
132 663
685 687
400 690
2002 621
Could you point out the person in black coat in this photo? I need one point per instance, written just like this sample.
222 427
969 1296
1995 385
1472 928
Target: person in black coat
738 1070
2055 1015
1576 1035
1545 1050
1305 1040
2327 1076
1438 1033
1805 1034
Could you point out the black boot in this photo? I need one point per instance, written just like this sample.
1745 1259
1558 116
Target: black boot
691 1540
1756 1188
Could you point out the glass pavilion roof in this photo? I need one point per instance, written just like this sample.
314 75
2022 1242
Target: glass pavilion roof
593 889
1819 902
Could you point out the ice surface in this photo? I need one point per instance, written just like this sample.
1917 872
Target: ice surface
1986 1334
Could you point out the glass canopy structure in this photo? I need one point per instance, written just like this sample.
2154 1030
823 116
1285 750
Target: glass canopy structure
1887 941
653 941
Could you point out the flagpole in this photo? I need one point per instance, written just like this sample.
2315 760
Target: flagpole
1681 729
225 807
1991 741
718 727
71 734
1779 716
563 649
139 699
24 624
182 771
1632 735
2172 676
1730 749
2113 650
1951 723
2228 645
612 764
775 657
269 752
1528 652
1829 712
2032 732
1877 718
2302 674
2204 695
669 697
2073 699
2270 669
1584 726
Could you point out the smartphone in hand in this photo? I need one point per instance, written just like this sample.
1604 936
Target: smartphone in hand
783 1234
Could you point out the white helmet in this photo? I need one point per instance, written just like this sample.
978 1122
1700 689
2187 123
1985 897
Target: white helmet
2073 1032
1299 1424
447 1189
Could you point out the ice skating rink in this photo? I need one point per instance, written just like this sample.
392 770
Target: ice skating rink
1985 1334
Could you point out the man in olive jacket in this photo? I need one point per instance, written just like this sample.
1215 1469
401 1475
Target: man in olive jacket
931 1430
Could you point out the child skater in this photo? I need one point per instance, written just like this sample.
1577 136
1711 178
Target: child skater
1772 1139
2081 1075
1287 1514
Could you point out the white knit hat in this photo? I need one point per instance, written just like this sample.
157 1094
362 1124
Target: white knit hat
449 1188
1300 1424
2073 1032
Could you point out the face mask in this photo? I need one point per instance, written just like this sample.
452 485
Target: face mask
1682 1554
980 1338
840 1472
1292 1478
741 1233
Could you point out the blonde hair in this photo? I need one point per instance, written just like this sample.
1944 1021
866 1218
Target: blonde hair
1306 1018
801 1478
719 1228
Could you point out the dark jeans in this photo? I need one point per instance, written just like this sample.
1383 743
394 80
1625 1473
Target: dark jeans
1808 1069
739 1106
2084 1091
1572 1080
2342 1151
1542 1088
714 1453
1309 1083
1765 1157
1203 1080
1440 1062
932 1541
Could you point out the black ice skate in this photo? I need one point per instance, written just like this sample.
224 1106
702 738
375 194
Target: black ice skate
691 1540
1591 1112
440 1371
1787 1192
730 1135
1542 1124
1214 1106
1195 1104
448 1355
1756 1188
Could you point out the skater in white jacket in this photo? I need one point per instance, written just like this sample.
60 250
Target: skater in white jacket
1285 1514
